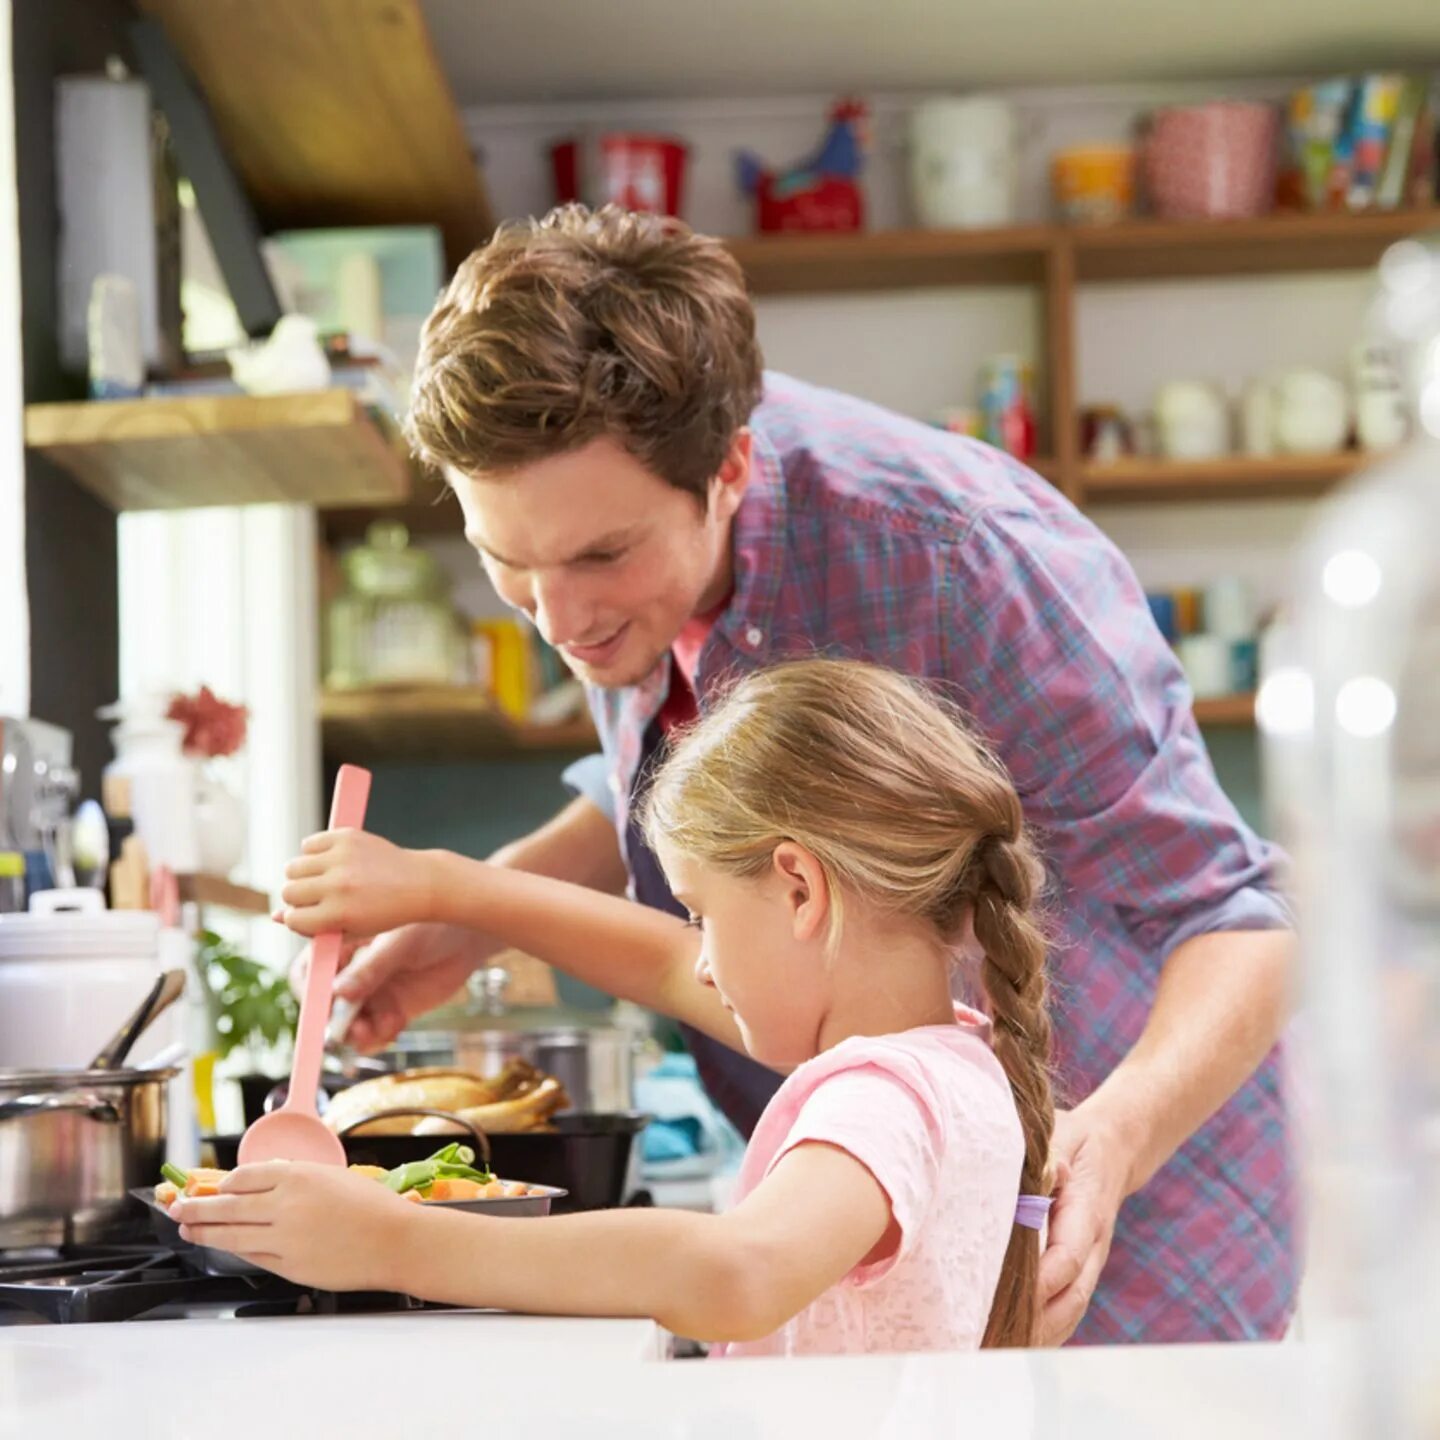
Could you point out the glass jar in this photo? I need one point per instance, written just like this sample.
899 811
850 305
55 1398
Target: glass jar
1350 715
393 624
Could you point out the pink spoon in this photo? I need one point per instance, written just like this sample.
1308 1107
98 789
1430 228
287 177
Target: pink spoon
295 1131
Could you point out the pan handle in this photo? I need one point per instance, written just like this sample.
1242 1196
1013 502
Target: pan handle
95 1106
482 1141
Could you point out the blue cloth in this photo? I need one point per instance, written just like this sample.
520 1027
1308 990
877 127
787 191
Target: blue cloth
686 1126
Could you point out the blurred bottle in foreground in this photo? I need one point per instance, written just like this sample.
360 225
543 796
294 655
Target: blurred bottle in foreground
1350 716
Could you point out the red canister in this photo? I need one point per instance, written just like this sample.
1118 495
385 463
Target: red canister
634 171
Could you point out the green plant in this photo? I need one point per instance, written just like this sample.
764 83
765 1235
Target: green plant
249 1003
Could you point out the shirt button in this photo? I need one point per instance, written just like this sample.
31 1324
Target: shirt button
753 636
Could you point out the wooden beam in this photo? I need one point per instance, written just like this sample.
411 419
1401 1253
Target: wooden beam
334 112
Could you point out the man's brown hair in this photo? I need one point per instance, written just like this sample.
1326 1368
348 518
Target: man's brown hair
583 325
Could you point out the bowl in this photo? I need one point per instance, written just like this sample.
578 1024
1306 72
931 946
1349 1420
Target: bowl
222 1262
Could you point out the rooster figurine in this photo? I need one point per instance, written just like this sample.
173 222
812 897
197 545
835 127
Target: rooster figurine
822 192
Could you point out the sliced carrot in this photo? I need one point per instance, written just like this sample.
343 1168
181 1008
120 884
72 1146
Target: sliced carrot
413 1196
516 1188
166 1194
202 1187
455 1188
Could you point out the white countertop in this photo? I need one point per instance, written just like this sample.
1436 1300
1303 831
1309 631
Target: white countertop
524 1378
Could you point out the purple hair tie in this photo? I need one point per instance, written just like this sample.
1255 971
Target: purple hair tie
1032 1210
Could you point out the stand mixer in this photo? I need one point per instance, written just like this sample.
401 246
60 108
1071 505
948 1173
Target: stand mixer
38 789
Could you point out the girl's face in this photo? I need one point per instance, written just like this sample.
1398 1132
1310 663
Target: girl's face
763 948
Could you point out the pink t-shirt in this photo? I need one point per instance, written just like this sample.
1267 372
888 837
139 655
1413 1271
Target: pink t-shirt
930 1114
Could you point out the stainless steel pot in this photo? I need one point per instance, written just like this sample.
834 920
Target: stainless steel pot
595 1063
73 1143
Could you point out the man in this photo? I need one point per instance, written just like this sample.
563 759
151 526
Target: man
667 516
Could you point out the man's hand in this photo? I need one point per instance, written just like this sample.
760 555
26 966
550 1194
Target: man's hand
399 975
1093 1170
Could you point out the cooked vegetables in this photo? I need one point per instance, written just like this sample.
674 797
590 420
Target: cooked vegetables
447 1176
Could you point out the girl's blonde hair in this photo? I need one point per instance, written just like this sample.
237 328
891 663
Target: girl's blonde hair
907 811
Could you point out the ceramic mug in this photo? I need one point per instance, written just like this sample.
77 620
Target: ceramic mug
1312 413
963 163
1192 420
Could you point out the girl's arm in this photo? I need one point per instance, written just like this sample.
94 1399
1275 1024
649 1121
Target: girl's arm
710 1277
738 1276
362 885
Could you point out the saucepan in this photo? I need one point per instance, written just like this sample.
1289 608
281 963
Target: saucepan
73 1143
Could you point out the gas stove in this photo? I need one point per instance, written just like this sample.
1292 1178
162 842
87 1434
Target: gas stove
91 1284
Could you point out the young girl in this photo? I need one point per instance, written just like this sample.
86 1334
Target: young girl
836 834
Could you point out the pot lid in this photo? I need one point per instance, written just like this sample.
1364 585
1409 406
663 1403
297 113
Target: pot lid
79 1079
103 935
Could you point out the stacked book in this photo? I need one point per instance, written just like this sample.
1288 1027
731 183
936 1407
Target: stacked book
1365 142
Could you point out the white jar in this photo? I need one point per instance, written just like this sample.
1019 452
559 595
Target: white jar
155 782
1382 419
1312 413
963 163
1192 420
1205 660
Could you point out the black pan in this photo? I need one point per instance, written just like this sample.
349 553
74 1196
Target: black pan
587 1155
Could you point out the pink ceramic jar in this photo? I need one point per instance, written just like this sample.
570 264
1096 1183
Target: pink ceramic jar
1213 161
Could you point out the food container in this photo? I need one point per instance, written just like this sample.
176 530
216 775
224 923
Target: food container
1213 161
394 623
634 171
1093 184
71 971
1207 664
963 163
1192 419
73 1144
1312 413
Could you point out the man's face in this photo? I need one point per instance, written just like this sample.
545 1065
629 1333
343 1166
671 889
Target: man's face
605 557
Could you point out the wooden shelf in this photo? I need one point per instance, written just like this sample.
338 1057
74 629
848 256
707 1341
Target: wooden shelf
1229 711
893 259
439 722
319 448
1018 255
1168 249
221 894
1237 477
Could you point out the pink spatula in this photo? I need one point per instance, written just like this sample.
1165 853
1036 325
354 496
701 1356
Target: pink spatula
295 1131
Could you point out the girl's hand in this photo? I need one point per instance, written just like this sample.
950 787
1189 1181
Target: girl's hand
358 884
316 1225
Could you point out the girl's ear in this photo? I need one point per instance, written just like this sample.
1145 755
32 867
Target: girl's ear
806 889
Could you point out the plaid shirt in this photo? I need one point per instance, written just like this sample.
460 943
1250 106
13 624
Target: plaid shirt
867 535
